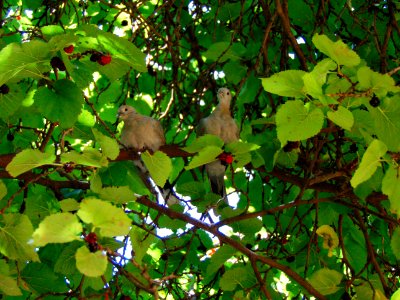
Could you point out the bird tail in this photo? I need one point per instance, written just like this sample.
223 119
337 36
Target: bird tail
216 174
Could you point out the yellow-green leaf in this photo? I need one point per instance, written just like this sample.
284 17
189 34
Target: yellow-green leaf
91 264
29 159
111 220
159 166
57 228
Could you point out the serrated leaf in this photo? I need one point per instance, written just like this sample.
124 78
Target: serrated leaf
204 141
9 286
26 60
159 166
66 262
377 83
386 122
117 194
241 276
206 155
108 145
221 51
342 117
369 162
391 188
219 258
15 235
69 204
63 103
57 228
89 157
239 147
338 51
3 189
91 264
111 220
295 121
326 281
29 159
42 279
286 83
141 241
194 189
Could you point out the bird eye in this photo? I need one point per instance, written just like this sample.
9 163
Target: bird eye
126 109
227 93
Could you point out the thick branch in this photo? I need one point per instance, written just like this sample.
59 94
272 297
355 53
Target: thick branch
231 242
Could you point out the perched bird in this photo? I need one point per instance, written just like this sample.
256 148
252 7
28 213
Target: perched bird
221 124
140 132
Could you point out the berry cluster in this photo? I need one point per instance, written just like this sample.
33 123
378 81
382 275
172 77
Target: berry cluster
374 102
101 59
91 240
57 63
226 158
69 167
4 89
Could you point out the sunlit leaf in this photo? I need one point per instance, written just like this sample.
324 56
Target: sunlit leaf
91 264
326 281
29 159
111 220
285 83
369 162
159 166
57 228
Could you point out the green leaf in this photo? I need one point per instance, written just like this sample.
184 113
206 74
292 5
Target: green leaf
69 204
338 51
9 286
247 227
239 147
63 103
204 141
395 243
296 121
221 51
141 241
369 163
387 122
342 117
89 157
396 295
30 59
241 276
391 188
326 281
57 228
109 146
194 189
91 264
11 102
15 234
3 189
120 48
42 279
286 83
206 155
66 262
29 159
377 83
218 259
111 220
159 166
117 194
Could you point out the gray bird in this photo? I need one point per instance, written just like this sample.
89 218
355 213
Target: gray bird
140 132
221 124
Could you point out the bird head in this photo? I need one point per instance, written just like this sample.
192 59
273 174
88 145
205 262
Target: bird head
224 95
125 111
